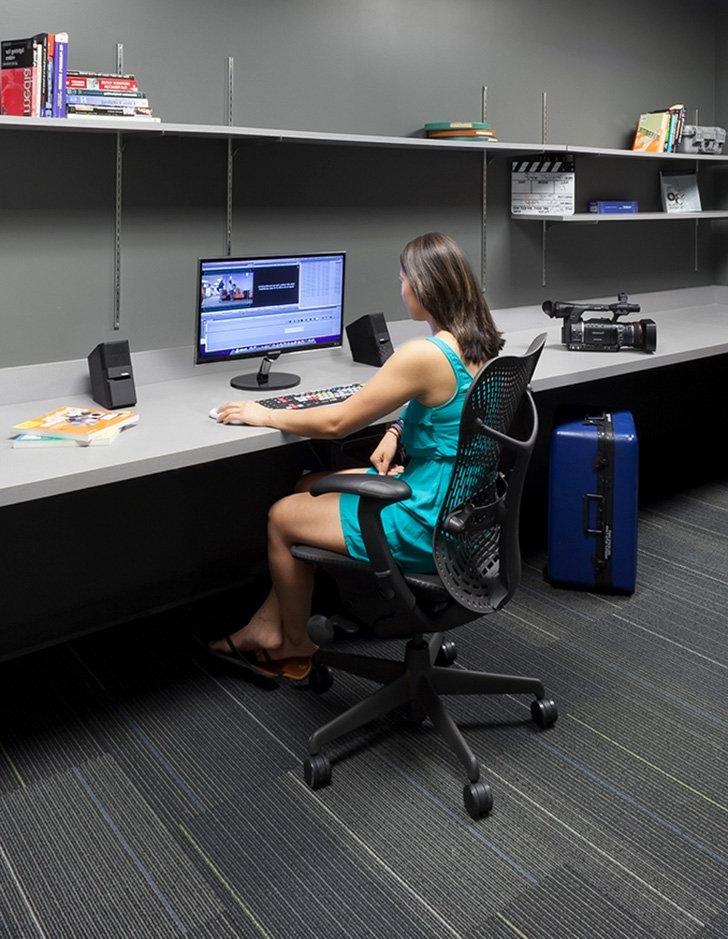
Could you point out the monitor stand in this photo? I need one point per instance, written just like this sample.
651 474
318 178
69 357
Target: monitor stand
262 380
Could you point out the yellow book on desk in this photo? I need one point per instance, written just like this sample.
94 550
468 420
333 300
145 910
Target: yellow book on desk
76 424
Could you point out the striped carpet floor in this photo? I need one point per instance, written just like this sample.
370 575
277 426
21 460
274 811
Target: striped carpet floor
146 793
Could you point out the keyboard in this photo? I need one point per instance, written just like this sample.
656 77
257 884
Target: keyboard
313 399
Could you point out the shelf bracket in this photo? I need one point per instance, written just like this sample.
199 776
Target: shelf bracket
484 195
696 226
118 204
230 161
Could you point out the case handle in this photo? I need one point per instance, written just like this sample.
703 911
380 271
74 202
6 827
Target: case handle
599 500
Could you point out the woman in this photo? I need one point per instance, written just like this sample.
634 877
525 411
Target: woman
433 374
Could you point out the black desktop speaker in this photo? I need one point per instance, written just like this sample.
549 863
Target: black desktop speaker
112 380
369 339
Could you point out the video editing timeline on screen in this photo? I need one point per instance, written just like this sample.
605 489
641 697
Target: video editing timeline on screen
250 306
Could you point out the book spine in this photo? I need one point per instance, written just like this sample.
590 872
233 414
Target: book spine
35 104
107 111
91 83
85 73
49 75
109 101
106 117
670 133
100 96
665 127
681 125
43 98
59 70
16 77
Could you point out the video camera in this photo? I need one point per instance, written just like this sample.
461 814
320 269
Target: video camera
602 335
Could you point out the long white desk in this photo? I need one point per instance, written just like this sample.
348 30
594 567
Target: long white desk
175 431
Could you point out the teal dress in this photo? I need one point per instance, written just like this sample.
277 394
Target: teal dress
430 440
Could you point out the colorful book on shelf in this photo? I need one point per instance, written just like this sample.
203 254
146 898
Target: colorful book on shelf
32 75
108 99
73 423
60 67
100 81
94 96
110 117
659 131
458 125
124 110
36 441
17 63
462 134
651 132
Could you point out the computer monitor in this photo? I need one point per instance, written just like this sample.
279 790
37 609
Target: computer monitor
264 306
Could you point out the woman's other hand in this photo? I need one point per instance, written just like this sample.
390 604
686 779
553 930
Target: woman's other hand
244 412
385 453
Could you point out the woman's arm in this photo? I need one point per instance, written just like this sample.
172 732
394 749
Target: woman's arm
413 369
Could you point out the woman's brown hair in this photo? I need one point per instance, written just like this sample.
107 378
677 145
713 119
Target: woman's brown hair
443 282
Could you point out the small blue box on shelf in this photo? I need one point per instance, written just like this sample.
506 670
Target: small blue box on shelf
614 206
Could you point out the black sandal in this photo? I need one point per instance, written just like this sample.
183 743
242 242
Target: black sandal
247 661
294 668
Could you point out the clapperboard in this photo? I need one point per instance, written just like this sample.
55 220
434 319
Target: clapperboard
543 185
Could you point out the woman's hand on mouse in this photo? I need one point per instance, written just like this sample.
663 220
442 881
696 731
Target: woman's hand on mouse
243 412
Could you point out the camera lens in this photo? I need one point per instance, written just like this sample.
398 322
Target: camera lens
640 335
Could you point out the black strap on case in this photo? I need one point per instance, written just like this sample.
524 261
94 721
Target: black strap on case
603 498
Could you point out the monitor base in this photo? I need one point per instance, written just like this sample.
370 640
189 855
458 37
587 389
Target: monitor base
275 381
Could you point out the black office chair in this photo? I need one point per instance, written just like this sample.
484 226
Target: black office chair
477 555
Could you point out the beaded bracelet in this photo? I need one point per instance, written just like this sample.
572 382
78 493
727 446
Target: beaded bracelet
396 428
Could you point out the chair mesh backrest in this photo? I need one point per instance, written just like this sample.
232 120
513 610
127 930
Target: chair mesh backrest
469 561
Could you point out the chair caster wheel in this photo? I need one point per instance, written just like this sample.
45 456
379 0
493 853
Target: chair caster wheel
344 625
415 714
544 712
478 799
320 630
317 771
447 654
320 679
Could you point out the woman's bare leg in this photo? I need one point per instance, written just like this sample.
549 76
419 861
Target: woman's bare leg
265 629
299 518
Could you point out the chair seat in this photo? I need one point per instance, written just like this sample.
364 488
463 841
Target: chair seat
429 584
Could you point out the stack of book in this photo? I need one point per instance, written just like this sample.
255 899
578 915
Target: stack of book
461 130
33 75
71 427
101 95
660 131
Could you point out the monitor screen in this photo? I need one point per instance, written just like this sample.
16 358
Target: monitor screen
250 306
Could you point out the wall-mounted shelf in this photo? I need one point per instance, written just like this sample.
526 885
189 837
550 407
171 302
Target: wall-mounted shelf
149 128
130 126
594 217
644 155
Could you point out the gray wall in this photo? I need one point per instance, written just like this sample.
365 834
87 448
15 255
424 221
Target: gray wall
720 229
370 66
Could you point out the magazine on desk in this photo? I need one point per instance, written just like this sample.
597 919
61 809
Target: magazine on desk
81 425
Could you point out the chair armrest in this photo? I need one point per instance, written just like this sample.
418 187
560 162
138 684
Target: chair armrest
385 489
376 493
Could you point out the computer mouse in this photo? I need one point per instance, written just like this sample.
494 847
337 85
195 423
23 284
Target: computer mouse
214 415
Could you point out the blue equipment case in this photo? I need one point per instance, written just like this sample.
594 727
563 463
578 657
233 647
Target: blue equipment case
592 527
